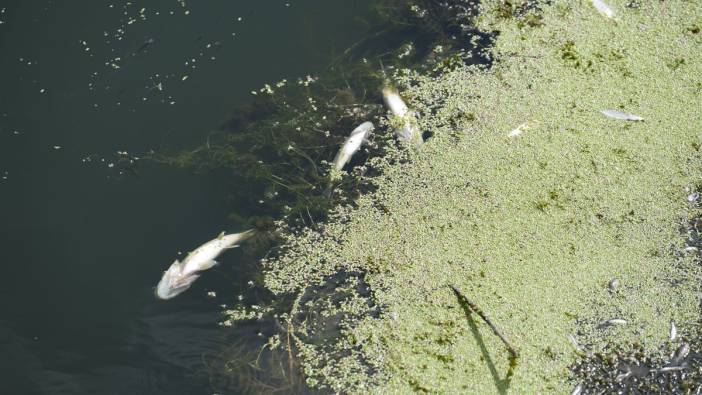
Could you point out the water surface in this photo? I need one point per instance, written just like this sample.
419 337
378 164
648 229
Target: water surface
85 238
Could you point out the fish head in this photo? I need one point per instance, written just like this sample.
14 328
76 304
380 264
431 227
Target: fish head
174 282
172 286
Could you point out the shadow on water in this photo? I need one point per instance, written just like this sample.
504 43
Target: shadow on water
501 384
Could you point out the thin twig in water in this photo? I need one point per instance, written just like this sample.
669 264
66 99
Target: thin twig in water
290 356
476 309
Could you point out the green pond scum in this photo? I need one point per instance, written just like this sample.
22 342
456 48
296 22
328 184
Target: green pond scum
526 198
531 226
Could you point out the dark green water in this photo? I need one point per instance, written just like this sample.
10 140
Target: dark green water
83 245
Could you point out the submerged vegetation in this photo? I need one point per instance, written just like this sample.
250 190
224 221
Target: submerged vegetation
281 145
561 223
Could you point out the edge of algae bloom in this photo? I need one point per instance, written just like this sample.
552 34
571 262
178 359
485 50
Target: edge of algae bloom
530 227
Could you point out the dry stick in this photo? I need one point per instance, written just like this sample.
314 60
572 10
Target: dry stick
482 315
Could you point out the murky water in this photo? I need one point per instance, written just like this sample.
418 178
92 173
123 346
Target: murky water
86 233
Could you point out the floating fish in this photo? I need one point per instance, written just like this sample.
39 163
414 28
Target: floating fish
614 321
680 354
603 8
394 102
673 331
408 131
181 275
621 115
357 137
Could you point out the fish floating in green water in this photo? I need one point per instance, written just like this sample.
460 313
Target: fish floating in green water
603 8
181 275
621 115
352 144
407 132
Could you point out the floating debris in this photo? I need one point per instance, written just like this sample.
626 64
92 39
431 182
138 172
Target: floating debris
603 8
613 284
574 342
352 144
621 115
519 130
181 275
578 390
693 197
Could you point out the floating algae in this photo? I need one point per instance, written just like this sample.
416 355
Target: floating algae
534 229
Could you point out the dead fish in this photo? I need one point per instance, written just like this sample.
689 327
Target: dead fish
577 390
669 369
408 131
576 346
680 354
603 8
673 331
613 284
181 275
621 115
394 102
693 197
145 45
614 321
352 144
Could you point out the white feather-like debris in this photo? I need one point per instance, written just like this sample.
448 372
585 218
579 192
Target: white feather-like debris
624 116
673 331
352 144
181 275
519 130
603 8
614 321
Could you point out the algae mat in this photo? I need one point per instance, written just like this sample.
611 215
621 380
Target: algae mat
530 227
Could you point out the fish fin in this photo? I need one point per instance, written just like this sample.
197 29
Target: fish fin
221 235
234 246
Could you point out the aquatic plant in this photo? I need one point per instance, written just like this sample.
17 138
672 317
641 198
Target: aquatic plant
281 143
533 226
